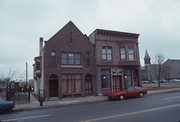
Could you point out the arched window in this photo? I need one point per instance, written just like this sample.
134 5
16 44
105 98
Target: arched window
53 76
53 57
88 78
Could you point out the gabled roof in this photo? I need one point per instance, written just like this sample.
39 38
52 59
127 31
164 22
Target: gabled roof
72 25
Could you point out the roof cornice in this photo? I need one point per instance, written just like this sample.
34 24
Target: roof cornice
116 33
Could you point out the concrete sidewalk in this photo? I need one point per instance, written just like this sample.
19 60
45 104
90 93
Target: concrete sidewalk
34 104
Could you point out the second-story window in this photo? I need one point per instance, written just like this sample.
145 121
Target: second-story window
107 53
70 58
87 58
122 53
38 64
53 57
131 54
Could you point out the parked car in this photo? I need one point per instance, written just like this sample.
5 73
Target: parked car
6 105
175 80
154 81
163 81
129 93
144 82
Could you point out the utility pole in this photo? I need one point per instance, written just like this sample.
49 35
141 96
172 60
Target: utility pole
27 87
26 74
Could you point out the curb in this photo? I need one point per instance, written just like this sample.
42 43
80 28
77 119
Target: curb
57 105
165 91
86 102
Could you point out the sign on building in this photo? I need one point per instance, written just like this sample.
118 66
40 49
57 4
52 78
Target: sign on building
115 72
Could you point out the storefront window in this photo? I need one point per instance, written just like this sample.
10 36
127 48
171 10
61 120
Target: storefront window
105 78
127 78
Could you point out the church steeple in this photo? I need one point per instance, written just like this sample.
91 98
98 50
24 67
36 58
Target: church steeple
147 59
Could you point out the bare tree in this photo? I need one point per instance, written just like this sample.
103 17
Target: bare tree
11 73
159 69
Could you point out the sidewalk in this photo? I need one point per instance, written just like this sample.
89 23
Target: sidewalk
34 104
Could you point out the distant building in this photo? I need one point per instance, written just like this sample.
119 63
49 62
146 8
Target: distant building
72 64
147 71
147 59
171 69
3 86
173 66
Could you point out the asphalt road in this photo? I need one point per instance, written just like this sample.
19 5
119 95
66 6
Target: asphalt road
153 108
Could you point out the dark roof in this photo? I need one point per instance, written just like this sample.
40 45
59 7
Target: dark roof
146 55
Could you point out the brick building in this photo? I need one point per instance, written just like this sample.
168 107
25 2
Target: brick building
65 66
70 63
117 60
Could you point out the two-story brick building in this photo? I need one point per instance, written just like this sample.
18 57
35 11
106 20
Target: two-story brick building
70 63
65 66
117 60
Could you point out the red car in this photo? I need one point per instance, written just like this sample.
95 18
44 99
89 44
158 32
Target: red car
129 93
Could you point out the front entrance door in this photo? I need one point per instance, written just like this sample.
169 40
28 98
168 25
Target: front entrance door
53 88
88 85
117 83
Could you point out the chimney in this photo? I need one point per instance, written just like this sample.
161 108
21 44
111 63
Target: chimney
40 46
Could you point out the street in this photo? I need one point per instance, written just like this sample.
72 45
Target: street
152 108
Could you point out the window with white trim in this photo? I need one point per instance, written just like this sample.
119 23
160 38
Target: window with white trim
53 57
71 58
107 53
131 54
122 53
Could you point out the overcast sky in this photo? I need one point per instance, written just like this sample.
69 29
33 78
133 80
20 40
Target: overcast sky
22 22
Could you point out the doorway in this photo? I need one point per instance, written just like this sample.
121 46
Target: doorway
53 86
117 83
88 85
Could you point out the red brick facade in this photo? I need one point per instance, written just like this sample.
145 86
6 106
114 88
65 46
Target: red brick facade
73 64
128 67
68 64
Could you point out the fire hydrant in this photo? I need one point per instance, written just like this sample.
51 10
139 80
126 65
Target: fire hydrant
41 101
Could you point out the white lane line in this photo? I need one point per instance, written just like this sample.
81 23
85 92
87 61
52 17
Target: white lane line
171 97
23 118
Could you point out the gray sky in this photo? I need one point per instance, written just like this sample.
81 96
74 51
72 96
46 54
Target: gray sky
22 22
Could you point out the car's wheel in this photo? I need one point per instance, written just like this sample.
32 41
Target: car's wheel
121 97
141 94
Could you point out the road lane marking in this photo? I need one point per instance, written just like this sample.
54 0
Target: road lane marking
171 97
131 113
23 118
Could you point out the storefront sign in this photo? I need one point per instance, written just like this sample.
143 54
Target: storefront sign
116 71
